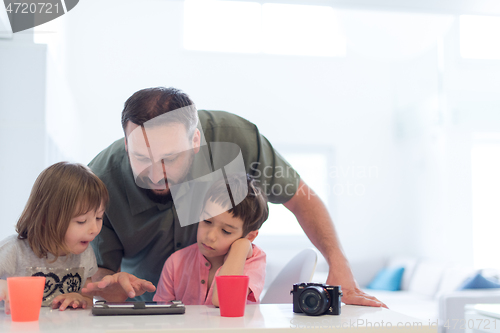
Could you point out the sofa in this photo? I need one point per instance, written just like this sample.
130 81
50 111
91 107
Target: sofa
428 289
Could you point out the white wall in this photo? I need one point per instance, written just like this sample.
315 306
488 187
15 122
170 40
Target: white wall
373 108
22 124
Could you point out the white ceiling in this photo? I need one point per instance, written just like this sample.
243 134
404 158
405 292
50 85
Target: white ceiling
455 7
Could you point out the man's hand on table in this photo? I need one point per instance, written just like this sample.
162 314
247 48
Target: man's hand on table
118 287
351 294
358 297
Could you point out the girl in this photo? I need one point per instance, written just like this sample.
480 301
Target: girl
62 216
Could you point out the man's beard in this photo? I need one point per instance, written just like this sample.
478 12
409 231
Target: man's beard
163 198
159 198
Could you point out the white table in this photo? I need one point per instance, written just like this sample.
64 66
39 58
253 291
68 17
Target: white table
276 318
481 318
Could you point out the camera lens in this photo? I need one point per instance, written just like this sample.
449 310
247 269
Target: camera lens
314 300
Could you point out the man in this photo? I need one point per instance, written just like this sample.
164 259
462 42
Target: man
144 225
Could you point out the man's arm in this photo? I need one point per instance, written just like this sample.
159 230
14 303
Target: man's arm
101 273
318 226
116 287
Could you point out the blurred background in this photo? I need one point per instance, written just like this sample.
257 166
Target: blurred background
389 110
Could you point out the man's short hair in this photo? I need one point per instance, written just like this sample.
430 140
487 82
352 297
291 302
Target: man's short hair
253 210
147 104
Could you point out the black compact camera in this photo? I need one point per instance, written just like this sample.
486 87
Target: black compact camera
316 299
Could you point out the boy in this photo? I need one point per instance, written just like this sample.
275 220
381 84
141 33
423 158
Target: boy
224 247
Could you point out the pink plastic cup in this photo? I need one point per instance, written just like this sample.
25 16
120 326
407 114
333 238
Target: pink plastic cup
25 295
232 291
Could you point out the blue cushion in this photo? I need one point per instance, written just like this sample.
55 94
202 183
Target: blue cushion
478 281
387 279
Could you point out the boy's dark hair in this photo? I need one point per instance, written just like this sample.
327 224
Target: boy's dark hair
149 103
253 210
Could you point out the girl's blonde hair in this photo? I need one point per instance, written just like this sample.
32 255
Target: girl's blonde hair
62 191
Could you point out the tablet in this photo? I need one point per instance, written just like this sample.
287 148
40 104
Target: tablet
103 308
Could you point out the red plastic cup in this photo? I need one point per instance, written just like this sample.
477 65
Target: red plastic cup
232 291
25 295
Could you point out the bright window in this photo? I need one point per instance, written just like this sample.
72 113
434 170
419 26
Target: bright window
479 37
222 26
249 27
313 169
301 30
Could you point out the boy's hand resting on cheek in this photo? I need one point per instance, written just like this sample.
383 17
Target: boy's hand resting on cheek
234 262
73 300
4 295
238 248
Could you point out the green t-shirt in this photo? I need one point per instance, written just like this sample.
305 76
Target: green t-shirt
138 234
